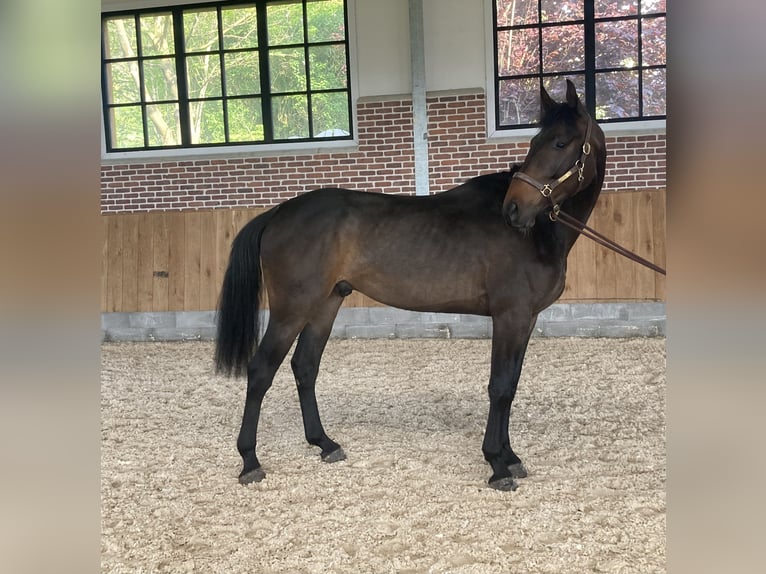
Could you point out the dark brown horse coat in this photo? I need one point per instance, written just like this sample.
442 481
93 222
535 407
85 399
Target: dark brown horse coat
486 247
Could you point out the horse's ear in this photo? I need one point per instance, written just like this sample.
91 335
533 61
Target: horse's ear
572 99
546 100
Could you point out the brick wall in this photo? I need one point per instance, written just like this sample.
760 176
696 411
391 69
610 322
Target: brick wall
383 161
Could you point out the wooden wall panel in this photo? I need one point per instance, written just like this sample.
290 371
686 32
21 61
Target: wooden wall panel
160 277
175 261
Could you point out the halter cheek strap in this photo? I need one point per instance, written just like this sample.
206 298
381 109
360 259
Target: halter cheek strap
546 189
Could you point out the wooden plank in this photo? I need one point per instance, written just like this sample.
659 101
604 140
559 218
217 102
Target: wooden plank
224 234
625 235
145 258
161 256
659 235
176 264
114 264
606 284
208 260
130 263
192 261
104 260
581 270
644 222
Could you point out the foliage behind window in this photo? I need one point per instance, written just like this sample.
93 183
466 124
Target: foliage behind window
614 52
226 73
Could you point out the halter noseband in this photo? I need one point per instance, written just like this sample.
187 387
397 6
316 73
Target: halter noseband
546 189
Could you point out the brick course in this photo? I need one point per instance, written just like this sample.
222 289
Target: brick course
383 161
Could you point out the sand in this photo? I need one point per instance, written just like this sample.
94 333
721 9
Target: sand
588 422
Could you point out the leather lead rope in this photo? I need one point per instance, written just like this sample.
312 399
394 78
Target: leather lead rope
590 233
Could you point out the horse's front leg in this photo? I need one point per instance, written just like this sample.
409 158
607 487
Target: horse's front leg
509 343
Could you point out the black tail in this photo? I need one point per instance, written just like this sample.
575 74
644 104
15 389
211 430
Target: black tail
238 306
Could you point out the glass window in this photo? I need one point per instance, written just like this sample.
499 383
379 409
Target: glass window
614 52
226 73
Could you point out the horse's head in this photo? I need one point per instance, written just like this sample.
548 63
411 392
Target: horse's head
561 160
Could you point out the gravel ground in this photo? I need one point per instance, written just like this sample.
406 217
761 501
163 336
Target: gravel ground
588 421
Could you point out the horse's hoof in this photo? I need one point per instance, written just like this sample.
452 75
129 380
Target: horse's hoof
255 475
517 470
505 484
334 456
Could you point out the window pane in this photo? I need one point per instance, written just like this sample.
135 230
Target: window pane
616 95
157 35
242 73
517 52
654 92
519 101
291 118
164 128
127 127
617 44
330 114
200 30
160 80
207 122
653 41
121 38
245 120
558 11
240 28
122 83
287 68
327 65
607 8
516 12
651 6
325 20
563 49
285 23
203 75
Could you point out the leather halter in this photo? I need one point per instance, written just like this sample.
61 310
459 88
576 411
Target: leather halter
546 189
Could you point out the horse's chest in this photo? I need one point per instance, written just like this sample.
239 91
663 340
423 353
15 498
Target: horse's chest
550 287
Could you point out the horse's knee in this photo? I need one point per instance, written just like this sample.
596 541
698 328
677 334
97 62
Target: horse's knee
501 389
305 372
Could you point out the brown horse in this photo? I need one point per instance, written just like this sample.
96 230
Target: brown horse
487 247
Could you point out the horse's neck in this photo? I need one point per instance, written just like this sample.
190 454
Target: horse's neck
579 207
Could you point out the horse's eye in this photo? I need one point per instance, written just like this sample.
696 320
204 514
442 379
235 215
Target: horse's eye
561 144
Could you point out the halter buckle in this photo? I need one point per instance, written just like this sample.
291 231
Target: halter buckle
546 190
553 214
586 148
580 165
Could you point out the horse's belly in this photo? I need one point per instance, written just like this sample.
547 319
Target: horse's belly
425 294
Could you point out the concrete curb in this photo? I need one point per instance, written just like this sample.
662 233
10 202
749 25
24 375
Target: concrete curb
629 319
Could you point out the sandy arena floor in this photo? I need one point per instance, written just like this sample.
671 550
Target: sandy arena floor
588 421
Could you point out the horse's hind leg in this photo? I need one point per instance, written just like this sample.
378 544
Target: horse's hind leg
305 364
263 366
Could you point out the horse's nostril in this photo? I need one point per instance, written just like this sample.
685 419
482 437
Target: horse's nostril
510 213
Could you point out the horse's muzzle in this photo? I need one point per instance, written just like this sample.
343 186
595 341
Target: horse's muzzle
515 216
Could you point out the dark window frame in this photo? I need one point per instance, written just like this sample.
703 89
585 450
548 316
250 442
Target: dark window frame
589 71
180 54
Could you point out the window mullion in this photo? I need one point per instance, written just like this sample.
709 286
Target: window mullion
589 14
307 69
141 81
263 63
184 117
222 65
